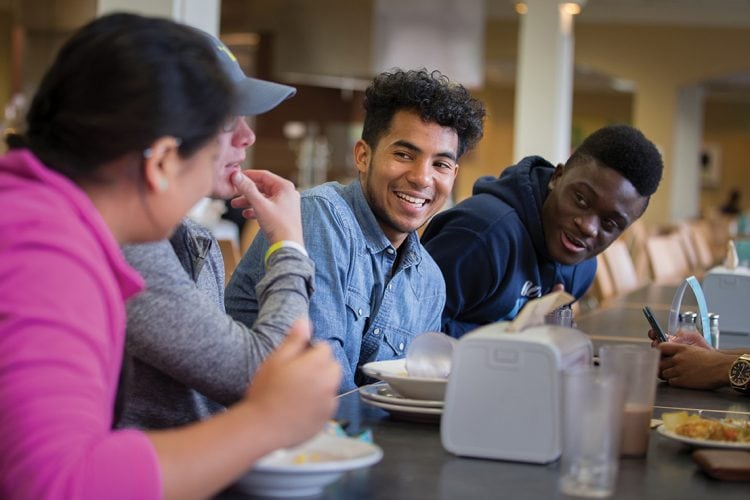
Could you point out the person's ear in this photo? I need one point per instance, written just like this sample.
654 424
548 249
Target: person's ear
559 170
160 163
362 156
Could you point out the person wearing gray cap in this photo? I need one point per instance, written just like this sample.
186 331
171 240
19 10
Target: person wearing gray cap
186 358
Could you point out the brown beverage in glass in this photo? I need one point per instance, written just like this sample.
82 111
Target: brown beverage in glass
636 425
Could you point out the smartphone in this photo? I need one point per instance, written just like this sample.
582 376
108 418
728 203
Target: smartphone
654 324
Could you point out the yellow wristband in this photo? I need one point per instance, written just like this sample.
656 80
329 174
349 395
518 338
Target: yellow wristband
283 244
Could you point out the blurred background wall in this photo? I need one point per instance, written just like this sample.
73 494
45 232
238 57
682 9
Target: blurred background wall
665 66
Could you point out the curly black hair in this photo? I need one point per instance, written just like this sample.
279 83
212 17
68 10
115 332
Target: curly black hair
432 95
625 149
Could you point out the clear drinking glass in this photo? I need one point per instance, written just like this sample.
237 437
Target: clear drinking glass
592 411
638 367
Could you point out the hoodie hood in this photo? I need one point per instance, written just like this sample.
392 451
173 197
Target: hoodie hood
524 187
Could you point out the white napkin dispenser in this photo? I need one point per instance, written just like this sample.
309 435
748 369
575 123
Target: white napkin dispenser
503 399
727 293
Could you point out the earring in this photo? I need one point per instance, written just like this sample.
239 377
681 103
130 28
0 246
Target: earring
163 184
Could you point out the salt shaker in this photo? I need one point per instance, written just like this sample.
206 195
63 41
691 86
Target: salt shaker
713 321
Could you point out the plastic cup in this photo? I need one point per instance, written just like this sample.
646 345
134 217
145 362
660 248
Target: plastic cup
638 366
430 355
592 409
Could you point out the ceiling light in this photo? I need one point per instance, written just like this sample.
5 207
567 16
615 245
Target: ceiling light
571 8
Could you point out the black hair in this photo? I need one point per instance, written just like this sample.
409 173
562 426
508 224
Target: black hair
625 149
118 84
432 95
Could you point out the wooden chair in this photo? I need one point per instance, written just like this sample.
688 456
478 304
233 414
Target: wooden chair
231 253
700 235
688 247
604 287
668 262
718 228
635 240
621 267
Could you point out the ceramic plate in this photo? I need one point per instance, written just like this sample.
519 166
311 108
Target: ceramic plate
394 372
384 394
702 443
410 413
308 468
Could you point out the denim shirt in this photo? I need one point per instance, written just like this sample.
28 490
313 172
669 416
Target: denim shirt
370 301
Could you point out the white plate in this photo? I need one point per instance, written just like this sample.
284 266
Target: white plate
410 413
394 372
383 393
326 458
703 443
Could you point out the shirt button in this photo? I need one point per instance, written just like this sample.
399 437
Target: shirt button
401 346
376 331
390 251
390 286
359 311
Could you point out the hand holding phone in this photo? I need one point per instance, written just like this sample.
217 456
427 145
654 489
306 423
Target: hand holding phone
660 336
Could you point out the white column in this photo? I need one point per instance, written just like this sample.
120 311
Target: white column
687 145
203 14
544 82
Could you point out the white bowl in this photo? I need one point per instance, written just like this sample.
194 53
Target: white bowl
308 468
394 372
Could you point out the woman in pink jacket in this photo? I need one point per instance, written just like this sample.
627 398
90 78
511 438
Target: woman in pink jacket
121 135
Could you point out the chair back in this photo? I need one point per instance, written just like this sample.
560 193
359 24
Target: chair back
667 257
603 288
621 267
230 251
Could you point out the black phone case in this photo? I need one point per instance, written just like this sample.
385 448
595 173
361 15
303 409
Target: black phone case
654 324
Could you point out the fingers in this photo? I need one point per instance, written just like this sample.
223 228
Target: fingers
670 348
240 202
245 186
558 287
269 183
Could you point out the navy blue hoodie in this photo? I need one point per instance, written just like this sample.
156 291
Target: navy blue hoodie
492 252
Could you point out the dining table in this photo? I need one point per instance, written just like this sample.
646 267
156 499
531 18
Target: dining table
620 320
415 465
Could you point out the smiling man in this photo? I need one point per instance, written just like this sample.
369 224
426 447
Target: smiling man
375 285
537 227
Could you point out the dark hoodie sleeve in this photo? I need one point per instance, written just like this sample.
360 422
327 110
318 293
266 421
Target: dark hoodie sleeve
471 271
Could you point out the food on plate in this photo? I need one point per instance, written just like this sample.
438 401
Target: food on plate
696 427
314 457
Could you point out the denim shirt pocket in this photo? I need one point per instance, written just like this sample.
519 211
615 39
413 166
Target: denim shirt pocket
359 308
396 342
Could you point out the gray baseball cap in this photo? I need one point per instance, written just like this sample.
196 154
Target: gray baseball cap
254 96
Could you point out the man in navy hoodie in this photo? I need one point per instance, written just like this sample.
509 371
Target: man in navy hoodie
537 228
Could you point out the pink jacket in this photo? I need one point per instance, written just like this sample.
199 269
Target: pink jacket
63 283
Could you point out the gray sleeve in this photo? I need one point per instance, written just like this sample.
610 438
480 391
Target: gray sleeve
181 331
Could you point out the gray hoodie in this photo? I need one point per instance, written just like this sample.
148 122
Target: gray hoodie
187 358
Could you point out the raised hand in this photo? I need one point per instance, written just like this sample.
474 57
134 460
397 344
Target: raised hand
273 201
